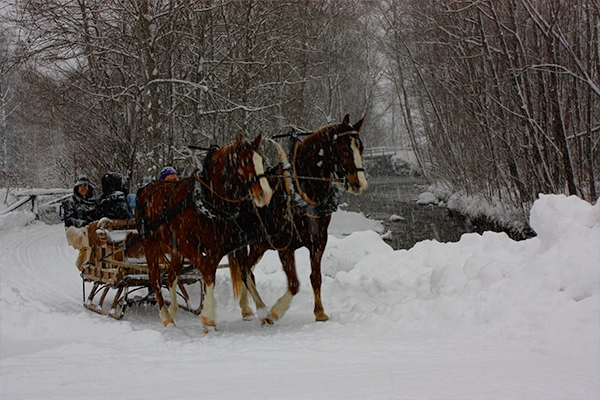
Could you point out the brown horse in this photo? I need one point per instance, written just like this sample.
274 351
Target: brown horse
300 211
199 218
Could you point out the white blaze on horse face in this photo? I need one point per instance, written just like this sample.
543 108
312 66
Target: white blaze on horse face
265 197
362 179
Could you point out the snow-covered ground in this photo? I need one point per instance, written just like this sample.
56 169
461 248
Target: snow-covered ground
484 318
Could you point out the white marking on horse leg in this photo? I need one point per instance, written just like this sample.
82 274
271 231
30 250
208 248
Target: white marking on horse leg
174 307
282 305
362 179
264 184
261 307
207 315
165 316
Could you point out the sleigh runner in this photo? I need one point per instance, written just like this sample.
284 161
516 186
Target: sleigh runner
114 278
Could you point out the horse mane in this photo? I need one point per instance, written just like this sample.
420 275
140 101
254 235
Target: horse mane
324 129
212 149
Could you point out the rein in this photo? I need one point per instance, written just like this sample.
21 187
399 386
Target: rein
309 178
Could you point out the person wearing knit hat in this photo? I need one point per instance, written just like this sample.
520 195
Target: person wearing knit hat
168 174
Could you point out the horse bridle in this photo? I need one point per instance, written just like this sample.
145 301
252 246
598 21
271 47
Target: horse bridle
335 150
354 135
236 166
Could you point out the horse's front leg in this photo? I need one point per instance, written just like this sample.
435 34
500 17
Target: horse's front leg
238 260
261 308
247 313
152 259
175 266
316 254
289 267
246 262
208 267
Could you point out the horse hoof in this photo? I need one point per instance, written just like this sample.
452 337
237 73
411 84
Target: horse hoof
322 318
209 328
208 325
165 317
248 316
274 315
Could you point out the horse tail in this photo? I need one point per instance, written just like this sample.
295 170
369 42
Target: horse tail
236 275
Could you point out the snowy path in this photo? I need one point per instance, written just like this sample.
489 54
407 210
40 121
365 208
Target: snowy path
484 318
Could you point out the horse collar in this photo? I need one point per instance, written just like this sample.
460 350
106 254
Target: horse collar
300 191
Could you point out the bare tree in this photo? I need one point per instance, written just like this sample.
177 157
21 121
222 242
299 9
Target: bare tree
135 79
507 92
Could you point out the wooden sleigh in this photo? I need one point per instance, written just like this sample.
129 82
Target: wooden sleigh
114 279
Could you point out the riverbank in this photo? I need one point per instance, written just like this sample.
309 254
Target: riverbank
393 200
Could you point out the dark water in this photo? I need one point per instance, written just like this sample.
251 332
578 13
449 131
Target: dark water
389 195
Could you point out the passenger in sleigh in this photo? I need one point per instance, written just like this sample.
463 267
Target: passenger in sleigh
113 204
78 211
166 174
116 224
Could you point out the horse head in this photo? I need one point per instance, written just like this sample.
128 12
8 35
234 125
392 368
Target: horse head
248 169
346 155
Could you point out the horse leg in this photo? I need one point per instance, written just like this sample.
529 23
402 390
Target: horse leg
316 254
247 313
255 255
152 258
261 308
246 262
289 267
207 316
237 278
174 270
174 306
208 268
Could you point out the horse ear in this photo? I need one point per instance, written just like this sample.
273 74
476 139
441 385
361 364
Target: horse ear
239 136
346 120
358 125
257 140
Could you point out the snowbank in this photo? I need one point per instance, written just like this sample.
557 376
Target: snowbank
16 218
487 283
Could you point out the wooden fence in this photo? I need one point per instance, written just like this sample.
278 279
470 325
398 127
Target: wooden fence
34 196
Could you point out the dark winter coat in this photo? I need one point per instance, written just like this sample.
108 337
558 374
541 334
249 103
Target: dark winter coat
113 204
78 211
